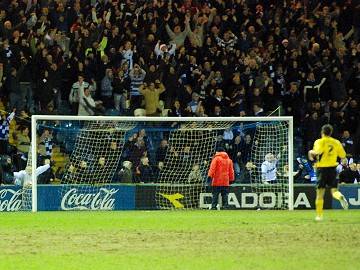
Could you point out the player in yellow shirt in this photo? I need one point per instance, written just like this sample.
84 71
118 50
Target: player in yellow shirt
326 151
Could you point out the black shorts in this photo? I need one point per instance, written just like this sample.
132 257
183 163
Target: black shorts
326 177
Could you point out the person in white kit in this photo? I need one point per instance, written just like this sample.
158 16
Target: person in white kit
268 167
23 177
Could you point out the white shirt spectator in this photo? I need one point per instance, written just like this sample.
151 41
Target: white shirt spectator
23 177
268 168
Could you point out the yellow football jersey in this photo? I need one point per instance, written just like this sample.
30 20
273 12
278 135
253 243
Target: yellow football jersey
328 150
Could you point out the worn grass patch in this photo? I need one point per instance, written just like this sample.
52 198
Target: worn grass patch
180 240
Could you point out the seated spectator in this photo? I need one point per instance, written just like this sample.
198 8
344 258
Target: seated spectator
157 171
195 176
344 164
350 175
162 150
236 155
146 172
126 173
177 110
23 140
8 169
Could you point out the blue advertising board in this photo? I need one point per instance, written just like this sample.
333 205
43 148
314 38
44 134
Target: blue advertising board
140 197
352 194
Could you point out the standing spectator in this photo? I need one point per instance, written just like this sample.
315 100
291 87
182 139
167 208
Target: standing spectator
348 143
107 89
26 85
312 126
128 53
74 96
87 105
338 89
222 173
4 131
236 155
13 85
292 103
45 94
22 146
137 76
121 85
177 36
151 95
162 50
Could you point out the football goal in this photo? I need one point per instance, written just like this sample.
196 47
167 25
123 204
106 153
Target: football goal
170 155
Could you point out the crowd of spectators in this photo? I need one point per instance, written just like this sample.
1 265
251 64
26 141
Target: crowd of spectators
183 58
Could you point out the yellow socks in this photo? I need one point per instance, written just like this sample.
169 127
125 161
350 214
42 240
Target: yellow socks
337 195
319 204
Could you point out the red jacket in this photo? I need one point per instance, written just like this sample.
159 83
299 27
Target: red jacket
221 170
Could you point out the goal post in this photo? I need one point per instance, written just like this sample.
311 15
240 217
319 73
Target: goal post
192 141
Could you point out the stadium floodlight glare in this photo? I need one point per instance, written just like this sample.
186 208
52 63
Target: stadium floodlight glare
99 142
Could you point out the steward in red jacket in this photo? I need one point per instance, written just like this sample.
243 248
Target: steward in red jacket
221 170
222 173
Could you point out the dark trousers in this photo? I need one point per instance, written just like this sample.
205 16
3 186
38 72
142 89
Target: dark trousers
224 191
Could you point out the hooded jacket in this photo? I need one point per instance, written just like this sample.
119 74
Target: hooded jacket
221 170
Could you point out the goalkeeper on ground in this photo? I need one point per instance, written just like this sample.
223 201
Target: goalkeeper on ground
23 177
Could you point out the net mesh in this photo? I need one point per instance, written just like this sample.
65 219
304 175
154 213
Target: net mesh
269 162
26 190
94 160
183 178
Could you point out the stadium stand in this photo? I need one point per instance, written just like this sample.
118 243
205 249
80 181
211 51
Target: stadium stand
213 58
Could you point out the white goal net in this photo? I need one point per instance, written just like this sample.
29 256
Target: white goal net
170 155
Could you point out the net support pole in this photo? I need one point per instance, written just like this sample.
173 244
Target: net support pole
291 164
33 165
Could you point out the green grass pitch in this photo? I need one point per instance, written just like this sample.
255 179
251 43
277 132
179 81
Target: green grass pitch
184 240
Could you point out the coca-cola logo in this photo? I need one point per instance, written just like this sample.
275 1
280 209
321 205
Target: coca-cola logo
102 200
10 200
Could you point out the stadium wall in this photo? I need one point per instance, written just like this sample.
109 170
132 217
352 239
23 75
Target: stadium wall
142 197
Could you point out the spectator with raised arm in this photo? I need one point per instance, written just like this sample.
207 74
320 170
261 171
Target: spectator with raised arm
151 95
4 130
137 76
